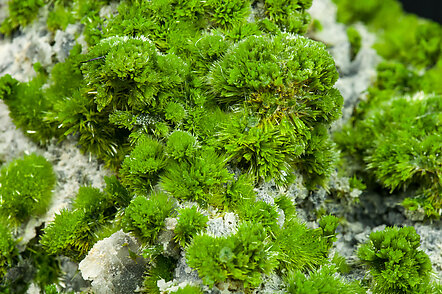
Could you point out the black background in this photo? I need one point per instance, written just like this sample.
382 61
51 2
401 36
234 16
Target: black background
431 9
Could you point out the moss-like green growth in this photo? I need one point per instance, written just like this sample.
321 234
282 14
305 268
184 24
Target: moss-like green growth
61 13
116 191
28 104
412 41
239 191
316 26
86 12
395 164
329 224
55 105
145 216
172 24
378 13
96 202
101 206
290 15
131 74
45 267
200 179
25 188
139 171
395 262
402 37
242 200
59 17
395 77
355 41
69 234
226 14
31 264
302 248
430 78
243 256
259 212
395 132
78 115
65 77
181 145
208 49
175 95
267 151
295 247
51 289
73 232
392 131
288 207
275 62
190 222
75 113
89 199
8 250
21 13
320 281
162 268
340 263
155 68
175 112
283 88
166 23
405 154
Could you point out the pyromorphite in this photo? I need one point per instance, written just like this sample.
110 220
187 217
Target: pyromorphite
25 188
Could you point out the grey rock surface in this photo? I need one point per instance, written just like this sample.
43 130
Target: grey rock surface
110 267
107 264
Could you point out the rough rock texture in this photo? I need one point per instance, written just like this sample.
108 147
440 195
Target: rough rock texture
271 284
165 238
183 275
64 41
71 281
18 53
72 168
431 244
375 209
354 76
222 226
109 266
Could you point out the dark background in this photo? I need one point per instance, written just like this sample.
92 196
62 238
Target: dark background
431 9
